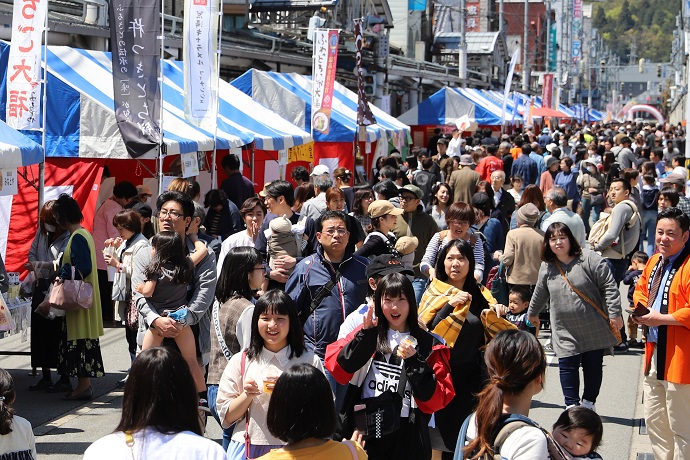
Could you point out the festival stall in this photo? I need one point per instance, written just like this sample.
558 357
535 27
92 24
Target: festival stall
290 96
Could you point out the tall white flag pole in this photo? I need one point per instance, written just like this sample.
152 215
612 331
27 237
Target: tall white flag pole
161 77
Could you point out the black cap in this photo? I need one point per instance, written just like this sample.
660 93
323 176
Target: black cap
385 265
143 209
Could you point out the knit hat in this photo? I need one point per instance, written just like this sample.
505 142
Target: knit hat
406 244
280 225
527 214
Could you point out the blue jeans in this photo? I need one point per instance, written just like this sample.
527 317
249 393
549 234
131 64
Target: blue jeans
592 363
618 268
337 389
589 210
212 397
649 217
419 285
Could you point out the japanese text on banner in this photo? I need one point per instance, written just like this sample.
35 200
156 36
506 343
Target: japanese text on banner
24 65
200 61
323 78
304 152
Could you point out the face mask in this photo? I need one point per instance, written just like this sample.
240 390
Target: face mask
591 169
49 228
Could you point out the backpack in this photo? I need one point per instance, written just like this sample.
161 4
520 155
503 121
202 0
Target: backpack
507 425
601 227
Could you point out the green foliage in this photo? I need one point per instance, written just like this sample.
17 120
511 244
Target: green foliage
650 23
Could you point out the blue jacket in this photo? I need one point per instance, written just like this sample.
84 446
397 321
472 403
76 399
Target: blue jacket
308 277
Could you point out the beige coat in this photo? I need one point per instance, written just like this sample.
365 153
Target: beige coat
522 255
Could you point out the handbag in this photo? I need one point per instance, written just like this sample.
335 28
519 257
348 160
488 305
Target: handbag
380 416
70 294
597 199
616 333
132 315
498 285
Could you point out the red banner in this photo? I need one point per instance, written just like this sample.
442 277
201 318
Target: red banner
547 92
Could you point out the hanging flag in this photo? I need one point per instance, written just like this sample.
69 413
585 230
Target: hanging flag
201 62
323 78
134 31
364 115
509 81
547 91
24 66
530 111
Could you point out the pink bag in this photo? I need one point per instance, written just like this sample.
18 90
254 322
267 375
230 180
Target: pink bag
69 294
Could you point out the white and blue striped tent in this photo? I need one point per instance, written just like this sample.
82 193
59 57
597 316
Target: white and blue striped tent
240 112
492 104
289 95
445 106
16 149
81 119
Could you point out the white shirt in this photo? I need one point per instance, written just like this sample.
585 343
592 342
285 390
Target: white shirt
21 439
525 443
151 444
236 240
454 147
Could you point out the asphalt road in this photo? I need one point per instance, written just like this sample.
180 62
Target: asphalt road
64 429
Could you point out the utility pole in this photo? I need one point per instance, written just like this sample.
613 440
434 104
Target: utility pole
501 15
462 58
547 67
525 48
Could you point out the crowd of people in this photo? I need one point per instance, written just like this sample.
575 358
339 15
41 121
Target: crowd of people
418 295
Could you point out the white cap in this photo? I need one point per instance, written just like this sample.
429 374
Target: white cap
320 170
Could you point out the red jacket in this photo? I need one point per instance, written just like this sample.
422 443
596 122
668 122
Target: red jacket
349 359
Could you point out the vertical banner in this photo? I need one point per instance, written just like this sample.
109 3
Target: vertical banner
547 91
553 47
509 81
576 51
323 78
473 13
530 112
134 31
364 115
201 62
24 65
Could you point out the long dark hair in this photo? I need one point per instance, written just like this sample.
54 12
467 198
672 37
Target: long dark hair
7 394
276 302
170 251
160 393
295 414
233 279
513 360
395 285
361 194
556 229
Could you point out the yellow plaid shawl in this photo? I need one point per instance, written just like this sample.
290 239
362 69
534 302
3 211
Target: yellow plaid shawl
436 297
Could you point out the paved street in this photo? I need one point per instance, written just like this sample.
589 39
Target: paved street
64 429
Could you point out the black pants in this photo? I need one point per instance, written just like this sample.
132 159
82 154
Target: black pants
105 288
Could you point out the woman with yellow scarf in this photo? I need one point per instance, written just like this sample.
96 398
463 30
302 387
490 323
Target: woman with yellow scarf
457 308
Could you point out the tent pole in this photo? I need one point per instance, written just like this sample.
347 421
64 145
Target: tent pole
42 164
214 171
161 77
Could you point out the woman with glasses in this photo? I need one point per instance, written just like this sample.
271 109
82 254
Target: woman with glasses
459 217
240 278
360 206
576 283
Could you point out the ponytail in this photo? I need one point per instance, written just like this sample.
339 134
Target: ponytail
511 365
7 396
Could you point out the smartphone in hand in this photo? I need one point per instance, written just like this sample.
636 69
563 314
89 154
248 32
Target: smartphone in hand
640 310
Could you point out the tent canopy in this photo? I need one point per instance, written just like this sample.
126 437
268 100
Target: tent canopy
289 95
240 112
447 105
81 119
546 112
16 149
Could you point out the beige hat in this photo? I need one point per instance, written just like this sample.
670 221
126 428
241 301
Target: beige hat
144 190
527 214
262 193
380 208
406 244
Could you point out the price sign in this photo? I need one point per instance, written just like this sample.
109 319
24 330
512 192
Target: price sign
8 186
190 164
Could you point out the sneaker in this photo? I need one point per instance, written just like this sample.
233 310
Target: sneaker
636 344
588 405
621 348
121 383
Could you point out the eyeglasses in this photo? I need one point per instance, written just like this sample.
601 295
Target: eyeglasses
262 268
333 231
408 197
164 213
463 223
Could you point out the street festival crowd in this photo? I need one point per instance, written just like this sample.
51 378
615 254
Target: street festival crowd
399 316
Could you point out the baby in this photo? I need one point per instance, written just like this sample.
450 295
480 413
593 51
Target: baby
406 246
518 301
283 241
579 431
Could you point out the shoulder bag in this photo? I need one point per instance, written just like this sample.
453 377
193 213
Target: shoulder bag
616 333
69 294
